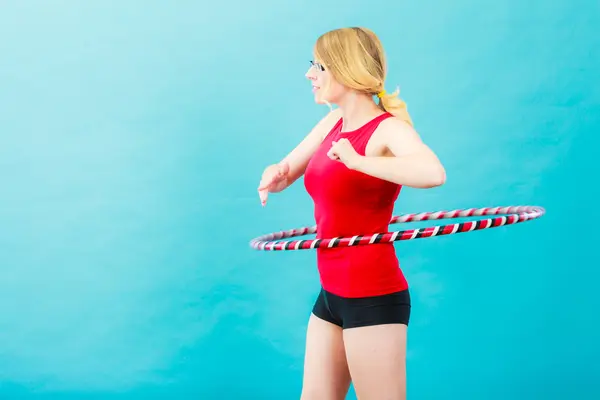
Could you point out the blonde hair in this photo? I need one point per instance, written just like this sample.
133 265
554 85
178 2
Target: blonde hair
356 59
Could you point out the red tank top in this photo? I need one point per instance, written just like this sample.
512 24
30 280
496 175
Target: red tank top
349 203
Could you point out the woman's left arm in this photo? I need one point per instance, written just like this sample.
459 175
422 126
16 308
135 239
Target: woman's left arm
413 163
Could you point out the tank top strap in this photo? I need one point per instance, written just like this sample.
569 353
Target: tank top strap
360 138
335 130
379 119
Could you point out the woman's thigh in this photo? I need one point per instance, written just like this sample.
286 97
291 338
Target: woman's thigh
375 330
326 375
376 358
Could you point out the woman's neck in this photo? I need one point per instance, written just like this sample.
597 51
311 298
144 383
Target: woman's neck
357 109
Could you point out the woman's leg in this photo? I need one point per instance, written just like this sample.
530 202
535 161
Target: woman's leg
377 361
375 330
326 375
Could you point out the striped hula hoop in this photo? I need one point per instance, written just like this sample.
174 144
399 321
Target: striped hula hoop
510 215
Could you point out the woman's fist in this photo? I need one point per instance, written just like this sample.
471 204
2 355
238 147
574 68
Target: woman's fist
343 151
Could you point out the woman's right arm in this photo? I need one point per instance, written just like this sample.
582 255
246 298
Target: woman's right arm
299 157
294 164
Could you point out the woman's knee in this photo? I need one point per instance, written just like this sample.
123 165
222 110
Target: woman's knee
322 393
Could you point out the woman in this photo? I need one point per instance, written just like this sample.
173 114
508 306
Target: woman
355 161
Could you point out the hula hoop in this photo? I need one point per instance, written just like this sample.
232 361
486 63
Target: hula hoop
511 215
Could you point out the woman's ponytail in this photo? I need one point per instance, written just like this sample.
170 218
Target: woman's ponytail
393 104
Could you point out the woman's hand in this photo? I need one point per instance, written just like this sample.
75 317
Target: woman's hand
343 151
274 179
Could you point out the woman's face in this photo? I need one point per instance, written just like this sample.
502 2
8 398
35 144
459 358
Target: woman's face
325 88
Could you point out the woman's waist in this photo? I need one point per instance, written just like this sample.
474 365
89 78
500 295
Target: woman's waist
370 253
376 262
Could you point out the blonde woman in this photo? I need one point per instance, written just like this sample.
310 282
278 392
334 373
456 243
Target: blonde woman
354 162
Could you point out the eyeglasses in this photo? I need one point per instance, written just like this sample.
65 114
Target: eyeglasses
317 65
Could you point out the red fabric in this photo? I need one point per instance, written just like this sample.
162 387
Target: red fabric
349 203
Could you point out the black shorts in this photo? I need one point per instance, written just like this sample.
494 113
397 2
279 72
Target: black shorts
347 313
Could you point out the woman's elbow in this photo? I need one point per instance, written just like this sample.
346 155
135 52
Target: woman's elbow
438 177
442 175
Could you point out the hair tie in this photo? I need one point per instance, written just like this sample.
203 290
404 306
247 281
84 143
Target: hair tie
381 94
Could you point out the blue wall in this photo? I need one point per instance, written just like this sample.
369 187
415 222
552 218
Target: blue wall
128 195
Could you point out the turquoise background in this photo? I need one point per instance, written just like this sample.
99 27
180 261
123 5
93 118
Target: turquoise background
132 139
